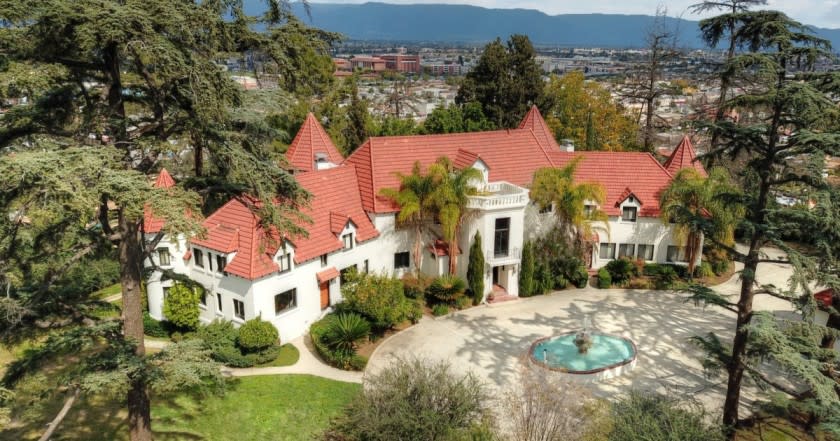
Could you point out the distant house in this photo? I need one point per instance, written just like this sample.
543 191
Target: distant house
292 281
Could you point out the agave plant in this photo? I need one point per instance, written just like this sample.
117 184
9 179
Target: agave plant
346 331
447 288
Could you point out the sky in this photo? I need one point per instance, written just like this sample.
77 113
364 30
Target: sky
820 13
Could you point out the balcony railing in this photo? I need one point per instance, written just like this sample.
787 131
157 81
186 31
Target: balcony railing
498 195
511 256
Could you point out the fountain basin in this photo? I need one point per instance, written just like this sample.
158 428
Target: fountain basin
608 357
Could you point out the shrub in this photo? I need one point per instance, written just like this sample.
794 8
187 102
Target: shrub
447 288
475 270
256 335
704 270
543 280
440 309
415 310
357 362
580 277
560 282
154 328
527 271
413 399
604 278
639 284
181 306
342 359
621 270
463 302
652 269
378 298
415 285
665 277
346 331
657 417
720 266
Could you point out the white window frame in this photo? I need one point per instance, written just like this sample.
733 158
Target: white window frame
635 213
239 309
407 261
681 256
609 245
221 263
285 262
164 252
631 254
647 247
291 306
198 257
349 241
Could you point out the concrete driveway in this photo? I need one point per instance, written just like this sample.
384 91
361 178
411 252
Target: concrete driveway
492 341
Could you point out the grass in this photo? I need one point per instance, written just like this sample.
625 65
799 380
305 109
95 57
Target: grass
289 355
271 407
107 291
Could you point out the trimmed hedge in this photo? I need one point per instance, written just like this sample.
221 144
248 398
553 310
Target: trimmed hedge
256 335
154 328
221 338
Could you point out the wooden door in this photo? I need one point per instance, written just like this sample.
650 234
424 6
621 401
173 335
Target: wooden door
325 294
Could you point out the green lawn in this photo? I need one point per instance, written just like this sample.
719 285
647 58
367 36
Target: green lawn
289 355
107 291
271 407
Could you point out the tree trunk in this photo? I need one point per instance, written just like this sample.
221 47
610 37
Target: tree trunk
739 347
453 254
131 274
724 87
198 155
418 248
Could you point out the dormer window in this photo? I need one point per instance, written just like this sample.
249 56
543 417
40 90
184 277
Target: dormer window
285 262
628 214
221 262
198 257
348 240
588 209
164 257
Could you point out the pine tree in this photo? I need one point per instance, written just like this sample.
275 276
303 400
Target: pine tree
139 80
778 64
358 118
506 81
475 269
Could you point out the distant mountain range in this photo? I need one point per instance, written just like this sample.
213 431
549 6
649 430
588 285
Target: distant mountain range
473 24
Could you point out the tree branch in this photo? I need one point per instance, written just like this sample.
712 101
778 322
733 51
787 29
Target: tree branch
68 403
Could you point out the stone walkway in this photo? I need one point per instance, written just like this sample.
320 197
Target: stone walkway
492 340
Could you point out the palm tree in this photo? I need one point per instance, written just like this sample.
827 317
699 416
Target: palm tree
451 190
693 203
556 187
413 199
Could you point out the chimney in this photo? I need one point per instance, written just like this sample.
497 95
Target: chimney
567 145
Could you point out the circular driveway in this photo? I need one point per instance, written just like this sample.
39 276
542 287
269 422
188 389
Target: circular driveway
492 340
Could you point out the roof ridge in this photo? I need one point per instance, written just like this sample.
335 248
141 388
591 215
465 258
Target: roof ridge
545 152
652 158
436 135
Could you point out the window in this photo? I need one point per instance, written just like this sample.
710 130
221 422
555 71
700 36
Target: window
219 303
285 261
607 251
285 301
676 254
323 260
500 239
588 209
165 292
239 309
163 257
626 250
203 298
348 241
346 272
545 210
210 261
221 262
401 260
198 256
644 252
628 214
367 266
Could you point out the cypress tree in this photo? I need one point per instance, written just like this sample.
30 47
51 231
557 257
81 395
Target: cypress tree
475 269
526 273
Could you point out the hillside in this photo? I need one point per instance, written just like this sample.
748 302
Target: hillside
472 24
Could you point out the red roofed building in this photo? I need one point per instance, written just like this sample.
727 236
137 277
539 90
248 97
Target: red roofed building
291 280
312 148
684 157
152 224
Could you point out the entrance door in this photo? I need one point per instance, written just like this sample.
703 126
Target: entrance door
495 275
325 294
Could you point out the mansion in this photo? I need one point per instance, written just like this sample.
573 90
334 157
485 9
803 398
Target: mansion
293 282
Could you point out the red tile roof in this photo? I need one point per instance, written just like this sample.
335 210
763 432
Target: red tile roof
327 274
512 155
824 298
152 224
534 121
235 227
684 157
621 174
335 201
310 140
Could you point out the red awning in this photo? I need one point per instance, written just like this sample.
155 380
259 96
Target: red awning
327 274
825 297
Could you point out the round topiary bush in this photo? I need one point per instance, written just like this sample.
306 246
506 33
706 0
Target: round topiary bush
256 335
604 278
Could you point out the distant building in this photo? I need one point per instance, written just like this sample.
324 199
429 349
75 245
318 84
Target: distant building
402 62
445 69
374 64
